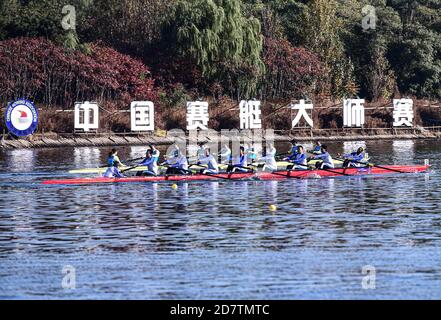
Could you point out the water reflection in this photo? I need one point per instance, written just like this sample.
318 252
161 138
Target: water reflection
21 160
137 152
404 151
351 146
84 156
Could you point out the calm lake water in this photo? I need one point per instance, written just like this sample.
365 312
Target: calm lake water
215 240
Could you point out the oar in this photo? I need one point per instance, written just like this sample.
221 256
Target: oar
131 168
207 174
196 165
216 176
187 171
373 165
137 159
280 155
247 168
336 172
287 175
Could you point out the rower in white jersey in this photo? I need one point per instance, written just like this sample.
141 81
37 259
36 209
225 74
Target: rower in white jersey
326 160
210 161
177 165
225 154
113 172
270 159
201 151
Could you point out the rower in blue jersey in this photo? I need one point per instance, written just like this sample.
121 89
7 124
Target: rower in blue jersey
354 159
151 163
155 152
240 163
317 148
113 158
300 161
177 165
251 154
113 172
326 160
292 153
210 161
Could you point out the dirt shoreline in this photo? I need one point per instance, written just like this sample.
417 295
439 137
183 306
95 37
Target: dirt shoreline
107 140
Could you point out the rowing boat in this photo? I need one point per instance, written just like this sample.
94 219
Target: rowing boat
278 175
280 164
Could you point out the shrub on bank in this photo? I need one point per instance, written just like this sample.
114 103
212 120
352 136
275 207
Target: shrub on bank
52 76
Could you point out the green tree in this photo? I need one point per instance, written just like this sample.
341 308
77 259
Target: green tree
368 48
416 53
224 43
321 35
40 18
281 15
132 26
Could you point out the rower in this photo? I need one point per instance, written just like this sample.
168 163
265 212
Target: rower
113 171
151 163
317 148
300 161
225 156
240 163
270 159
201 151
155 152
172 151
177 165
354 159
326 160
209 160
292 153
251 155
113 158
271 150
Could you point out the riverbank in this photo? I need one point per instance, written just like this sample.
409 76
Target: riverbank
54 140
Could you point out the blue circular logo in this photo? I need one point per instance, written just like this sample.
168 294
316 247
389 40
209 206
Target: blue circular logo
21 117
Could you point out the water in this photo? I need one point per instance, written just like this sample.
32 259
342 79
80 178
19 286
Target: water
213 240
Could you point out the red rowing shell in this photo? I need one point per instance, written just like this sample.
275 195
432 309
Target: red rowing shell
280 175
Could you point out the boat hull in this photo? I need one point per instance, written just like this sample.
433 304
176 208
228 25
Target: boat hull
280 175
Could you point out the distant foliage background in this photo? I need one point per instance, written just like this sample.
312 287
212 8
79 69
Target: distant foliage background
220 50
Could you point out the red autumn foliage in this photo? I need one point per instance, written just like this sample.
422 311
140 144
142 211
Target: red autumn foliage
291 72
37 69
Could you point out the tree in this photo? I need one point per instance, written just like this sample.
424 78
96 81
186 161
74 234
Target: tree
416 54
220 39
131 26
321 35
290 72
368 48
39 18
58 77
